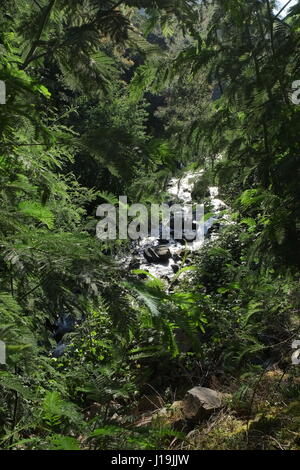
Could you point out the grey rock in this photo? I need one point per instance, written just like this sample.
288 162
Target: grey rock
200 402
177 256
175 268
157 254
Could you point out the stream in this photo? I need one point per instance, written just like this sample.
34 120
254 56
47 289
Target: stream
161 258
181 190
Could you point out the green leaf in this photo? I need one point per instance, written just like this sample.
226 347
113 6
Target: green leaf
106 431
37 211
59 442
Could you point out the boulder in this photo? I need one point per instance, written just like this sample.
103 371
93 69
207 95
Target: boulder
175 268
200 402
163 252
177 256
150 255
157 254
134 263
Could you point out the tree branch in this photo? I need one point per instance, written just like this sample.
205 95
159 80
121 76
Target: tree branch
37 4
283 8
45 17
116 5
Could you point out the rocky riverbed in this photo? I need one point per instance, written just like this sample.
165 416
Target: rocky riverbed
163 258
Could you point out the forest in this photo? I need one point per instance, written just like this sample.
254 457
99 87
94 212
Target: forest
113 343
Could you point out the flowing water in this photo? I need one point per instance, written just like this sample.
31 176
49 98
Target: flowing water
180 189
